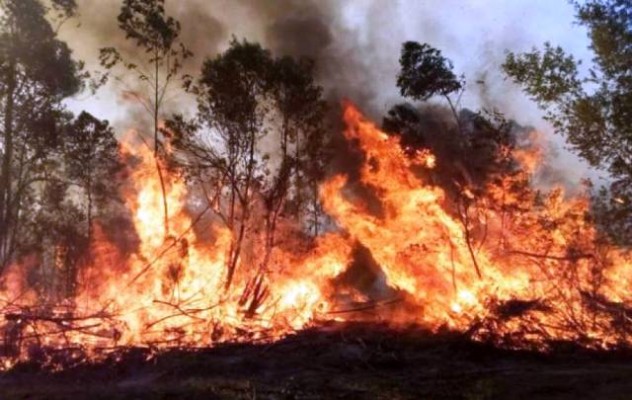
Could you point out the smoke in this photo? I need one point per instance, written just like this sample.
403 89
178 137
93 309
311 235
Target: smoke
355 46
96 27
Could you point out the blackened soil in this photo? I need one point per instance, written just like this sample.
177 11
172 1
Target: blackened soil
358 361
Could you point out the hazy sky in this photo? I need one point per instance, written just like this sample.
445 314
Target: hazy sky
475 34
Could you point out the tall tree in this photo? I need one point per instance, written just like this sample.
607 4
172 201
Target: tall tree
245 95
592 111
36 73
298 102
146 23
92 160
469 150
425 72
59 239
231 92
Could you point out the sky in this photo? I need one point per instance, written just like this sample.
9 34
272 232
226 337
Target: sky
474 34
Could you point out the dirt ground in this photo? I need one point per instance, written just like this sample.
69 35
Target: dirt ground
350 362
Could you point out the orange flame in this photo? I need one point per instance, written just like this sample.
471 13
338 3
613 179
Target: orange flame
536 249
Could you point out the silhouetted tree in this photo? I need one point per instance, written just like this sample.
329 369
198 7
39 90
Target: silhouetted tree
425 72
60 240
298 101
245 95
471 148
92 161
36 73
468 151
233 87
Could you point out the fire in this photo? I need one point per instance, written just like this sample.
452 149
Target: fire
537 272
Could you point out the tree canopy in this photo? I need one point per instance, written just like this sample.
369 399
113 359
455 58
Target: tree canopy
593 111
37 72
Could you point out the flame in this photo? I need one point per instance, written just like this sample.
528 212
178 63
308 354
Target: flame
546 252
536 251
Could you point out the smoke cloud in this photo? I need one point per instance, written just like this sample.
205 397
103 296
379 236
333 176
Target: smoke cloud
356 45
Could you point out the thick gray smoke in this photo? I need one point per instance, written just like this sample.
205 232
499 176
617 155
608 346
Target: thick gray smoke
355 44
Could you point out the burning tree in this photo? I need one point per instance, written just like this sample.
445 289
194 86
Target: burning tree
245 98
146 23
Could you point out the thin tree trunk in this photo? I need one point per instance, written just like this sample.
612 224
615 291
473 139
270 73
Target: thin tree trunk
245 212
5 172
465 217
468 239
158 168
298 169
277 198
316 212
89 215
234 259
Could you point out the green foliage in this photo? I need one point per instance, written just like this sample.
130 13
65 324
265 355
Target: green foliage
57 232
48 159
29 40
472 155
37 72
552 73
471 148
611 208
92 159
425 72
295 87
242 90
146 23
247 97
90 144
231 87
592 112
403 120
610 31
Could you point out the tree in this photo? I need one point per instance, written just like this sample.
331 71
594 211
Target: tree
36 73
470 151
232 88
146 23
92 160
60 240
245 95
425 72
592 112
298 100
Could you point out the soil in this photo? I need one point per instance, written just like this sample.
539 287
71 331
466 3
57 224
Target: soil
357 361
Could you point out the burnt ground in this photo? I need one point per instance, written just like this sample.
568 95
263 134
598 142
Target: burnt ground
336 362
